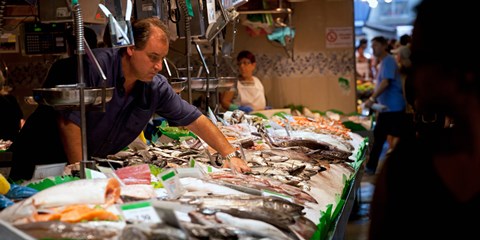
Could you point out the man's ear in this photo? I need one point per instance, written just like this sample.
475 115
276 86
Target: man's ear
130 51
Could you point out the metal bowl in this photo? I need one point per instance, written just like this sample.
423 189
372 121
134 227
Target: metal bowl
70 96
200 84
227 82
178 84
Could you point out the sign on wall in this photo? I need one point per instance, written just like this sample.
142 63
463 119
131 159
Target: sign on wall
339 37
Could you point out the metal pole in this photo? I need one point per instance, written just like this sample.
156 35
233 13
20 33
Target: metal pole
215 66
188 51
78 21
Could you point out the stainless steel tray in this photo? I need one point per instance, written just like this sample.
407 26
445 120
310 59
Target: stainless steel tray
227 82
70 96
200 84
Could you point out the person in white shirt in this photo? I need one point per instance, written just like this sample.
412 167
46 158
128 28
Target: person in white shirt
248 94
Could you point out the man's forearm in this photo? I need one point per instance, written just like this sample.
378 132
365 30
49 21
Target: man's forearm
210 133
383 85
70 136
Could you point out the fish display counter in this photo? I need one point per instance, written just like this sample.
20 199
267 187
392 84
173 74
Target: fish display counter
304 175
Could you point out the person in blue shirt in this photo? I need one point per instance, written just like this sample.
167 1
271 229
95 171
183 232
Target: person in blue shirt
389 93
54 136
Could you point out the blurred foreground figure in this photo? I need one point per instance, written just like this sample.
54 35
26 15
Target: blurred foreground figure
429 187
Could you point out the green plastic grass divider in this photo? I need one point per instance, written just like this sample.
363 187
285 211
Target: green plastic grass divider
51 181
360 157
260 115
280 114
319 112
353 126
324 224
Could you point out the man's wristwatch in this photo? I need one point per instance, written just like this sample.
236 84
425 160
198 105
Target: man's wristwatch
233 154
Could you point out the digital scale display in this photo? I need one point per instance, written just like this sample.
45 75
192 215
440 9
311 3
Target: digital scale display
44 38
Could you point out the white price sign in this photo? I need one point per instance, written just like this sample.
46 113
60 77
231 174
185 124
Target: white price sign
140 212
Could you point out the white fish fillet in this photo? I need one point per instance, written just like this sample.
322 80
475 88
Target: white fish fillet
198 185
254 226
139 191
84 191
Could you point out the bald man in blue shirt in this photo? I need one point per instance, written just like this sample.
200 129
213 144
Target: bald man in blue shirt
52 136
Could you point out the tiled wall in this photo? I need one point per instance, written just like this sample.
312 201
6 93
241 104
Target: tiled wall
278 65
24 74
309 63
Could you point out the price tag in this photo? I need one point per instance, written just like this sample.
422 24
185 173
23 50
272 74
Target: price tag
140 212
171 183
195 172
268 193
48 170
92 174
192 162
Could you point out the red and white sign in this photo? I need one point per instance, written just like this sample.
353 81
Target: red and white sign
339 37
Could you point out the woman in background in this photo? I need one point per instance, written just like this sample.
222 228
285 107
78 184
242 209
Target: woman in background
248 94
363 61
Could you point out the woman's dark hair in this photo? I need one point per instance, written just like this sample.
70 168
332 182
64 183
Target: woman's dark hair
362 42
405 39
380 39
246 54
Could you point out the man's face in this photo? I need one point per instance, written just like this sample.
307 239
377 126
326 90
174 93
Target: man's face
148 62
377 48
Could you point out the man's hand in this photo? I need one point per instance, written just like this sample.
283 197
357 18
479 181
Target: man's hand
370 101
238 165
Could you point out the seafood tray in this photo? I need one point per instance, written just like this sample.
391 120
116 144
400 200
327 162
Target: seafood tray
200 84
69 96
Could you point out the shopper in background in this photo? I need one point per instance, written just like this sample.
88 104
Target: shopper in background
363 61
11 120
429 188
402 56
248 94
392 43
388 92
405 40
54 136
